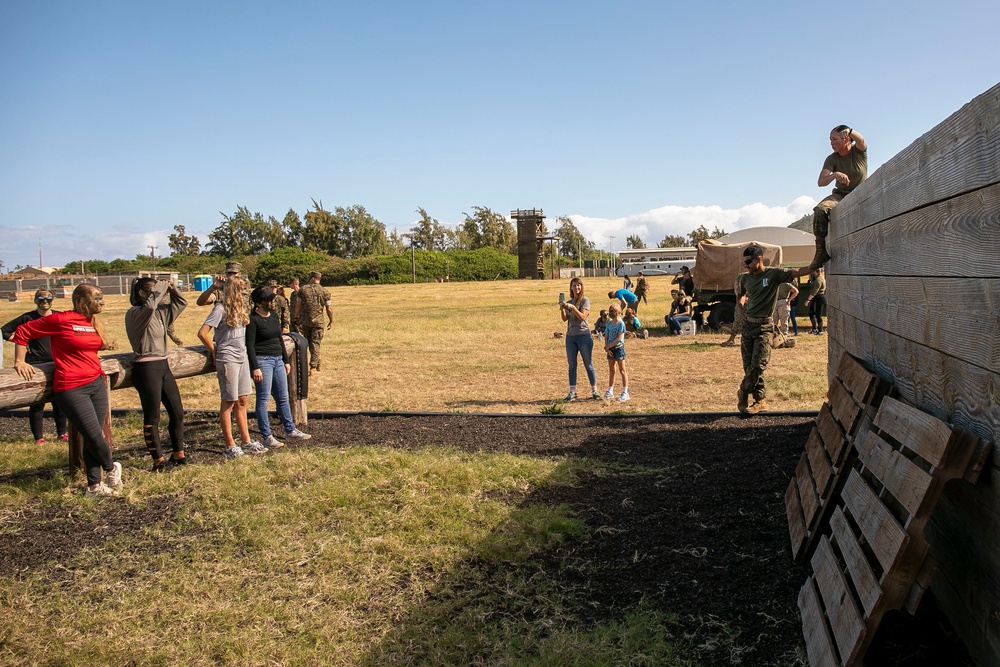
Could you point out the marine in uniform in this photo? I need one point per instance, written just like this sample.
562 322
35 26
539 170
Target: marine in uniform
312 300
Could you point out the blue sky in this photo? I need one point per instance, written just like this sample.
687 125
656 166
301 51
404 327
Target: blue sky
119 120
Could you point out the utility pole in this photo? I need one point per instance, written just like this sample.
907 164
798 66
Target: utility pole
152 255
611 253
39 253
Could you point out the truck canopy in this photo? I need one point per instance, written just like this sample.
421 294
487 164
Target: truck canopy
718 264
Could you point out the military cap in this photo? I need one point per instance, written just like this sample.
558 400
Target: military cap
272 283
234 267
315 274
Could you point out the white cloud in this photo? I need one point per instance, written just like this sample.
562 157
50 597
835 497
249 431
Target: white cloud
62 244
652 226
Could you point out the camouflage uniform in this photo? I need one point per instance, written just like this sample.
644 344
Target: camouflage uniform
314 300
280 306
293 299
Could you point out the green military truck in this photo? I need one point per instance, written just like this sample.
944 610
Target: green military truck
715 271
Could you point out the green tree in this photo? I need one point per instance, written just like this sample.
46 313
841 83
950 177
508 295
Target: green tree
486 229
571 240
428 233
702 233
294 229
245 233
670 241
182 243
634 242
345 232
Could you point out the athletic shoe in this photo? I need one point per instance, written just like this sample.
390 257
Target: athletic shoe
101 489
233 452
162 466
64 437
40 441
113 477
596 395
296 434
645 333
174 461
819 333
571 396
609 394
272 443
624 397
253 447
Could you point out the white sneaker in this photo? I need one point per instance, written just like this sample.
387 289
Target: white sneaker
609 394
100 490
233 452
113 477
272 443
296 434
624 397
253 447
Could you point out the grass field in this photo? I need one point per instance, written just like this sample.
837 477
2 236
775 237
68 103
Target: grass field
489 347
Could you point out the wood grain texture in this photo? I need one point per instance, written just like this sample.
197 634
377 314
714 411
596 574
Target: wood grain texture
885 536
796 521
958 155
959 317
807 494
819 643
865 581
948 388
902 478
819 464
846 621
921 433
843 406
950 239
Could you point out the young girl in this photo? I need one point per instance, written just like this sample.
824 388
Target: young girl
147 324
614 336
78 386
228 347
578 339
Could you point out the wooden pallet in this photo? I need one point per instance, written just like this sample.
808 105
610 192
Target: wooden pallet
820 473
872 556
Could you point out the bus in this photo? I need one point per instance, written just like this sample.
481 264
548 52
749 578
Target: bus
655 261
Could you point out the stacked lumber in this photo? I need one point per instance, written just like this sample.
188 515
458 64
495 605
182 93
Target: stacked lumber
871 555
914 293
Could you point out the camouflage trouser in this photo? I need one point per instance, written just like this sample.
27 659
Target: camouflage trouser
314 335
821 214
781 316
737 320
756 349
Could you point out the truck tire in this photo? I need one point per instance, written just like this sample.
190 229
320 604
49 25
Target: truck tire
723 312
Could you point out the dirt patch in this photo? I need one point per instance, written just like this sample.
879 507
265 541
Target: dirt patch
686 514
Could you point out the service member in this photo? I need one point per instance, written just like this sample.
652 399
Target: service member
311 302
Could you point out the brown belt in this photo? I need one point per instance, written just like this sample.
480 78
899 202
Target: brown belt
758 320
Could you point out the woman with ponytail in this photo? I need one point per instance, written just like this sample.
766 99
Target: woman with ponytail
78 386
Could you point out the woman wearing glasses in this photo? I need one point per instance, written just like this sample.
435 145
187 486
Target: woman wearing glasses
39 352
78 386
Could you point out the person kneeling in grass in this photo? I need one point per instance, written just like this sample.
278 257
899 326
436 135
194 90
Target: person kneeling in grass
615 347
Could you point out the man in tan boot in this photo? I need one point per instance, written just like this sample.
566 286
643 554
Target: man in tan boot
847 166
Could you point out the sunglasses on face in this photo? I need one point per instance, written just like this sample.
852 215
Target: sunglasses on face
748 261
43 298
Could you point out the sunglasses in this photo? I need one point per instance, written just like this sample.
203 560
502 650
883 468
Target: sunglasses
43 298
749 260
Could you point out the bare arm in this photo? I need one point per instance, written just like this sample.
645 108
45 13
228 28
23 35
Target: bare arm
205 336
212 289
23 368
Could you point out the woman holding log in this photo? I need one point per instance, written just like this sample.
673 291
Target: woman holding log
155 306
78 386
39 352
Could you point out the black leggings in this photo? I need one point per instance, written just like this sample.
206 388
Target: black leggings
155 384
816 307
87 408
35 419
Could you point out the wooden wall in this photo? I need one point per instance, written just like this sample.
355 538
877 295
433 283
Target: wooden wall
914 292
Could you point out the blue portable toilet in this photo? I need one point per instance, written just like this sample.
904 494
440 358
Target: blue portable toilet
202 283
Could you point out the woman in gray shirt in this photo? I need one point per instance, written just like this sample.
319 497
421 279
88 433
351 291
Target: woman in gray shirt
578 340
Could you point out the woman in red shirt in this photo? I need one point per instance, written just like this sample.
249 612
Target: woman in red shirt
78 386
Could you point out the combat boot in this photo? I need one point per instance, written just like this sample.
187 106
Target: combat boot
742 401
822 256
757 407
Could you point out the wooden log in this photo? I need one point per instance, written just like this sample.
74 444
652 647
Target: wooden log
957 156
923 310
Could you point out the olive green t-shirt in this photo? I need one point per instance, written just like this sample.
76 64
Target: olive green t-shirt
854 164
762 290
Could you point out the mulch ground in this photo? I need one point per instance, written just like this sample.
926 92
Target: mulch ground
687 516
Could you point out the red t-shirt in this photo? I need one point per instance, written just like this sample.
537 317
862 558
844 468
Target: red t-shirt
74 343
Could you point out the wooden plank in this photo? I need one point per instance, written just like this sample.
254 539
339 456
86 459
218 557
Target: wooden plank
960 154
907 483
856 378
945 239
833 437
819 643
880 529
843 407
921 433
819 464
924 310
796 521
807 494
950 389
860 570
846 623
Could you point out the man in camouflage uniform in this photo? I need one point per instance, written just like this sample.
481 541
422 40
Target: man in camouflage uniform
214 291
758 293
280 305
293 298
309 307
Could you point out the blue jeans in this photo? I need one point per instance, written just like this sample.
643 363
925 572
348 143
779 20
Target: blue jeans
275 381
675 321
584 344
